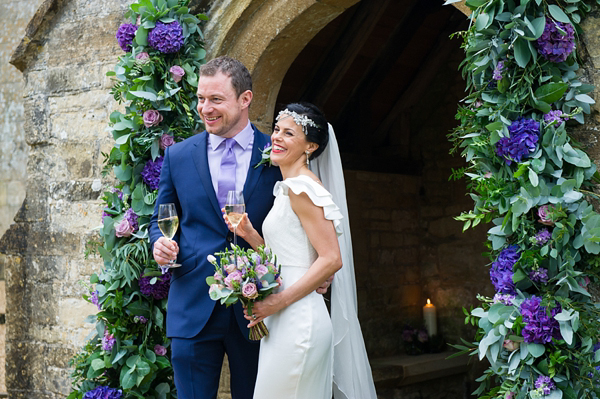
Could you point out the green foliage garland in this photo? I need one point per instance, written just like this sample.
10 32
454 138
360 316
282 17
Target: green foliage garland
531 181
128 353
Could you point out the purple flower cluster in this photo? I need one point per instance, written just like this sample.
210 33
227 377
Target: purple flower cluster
501 272
140 319
158 290
108 341
545 384
539 275
522 140
103 392
497 74
503 298
540 327
557 41
94 299
151 173
167 38
128 225
542 237
557 116
125 35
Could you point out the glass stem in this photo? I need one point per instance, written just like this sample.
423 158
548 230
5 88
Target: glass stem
235 245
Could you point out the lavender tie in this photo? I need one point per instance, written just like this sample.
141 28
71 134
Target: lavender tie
226 180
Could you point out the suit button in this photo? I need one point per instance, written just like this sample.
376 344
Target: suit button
229 238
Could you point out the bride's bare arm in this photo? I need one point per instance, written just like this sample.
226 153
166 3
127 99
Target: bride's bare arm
323 238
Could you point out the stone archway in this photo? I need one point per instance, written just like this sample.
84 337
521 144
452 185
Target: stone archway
267 36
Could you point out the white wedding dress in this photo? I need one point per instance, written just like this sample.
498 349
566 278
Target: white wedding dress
296 358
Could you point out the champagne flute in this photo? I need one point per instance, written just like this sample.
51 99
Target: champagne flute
235 208
168 222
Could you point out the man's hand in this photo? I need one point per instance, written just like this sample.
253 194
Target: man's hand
323 288
165 250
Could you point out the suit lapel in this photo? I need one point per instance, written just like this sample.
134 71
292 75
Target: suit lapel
254 173
201 161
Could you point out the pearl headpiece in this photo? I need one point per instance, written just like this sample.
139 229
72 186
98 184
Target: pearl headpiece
301 120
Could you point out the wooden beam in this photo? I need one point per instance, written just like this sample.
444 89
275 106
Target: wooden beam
345 49
421 80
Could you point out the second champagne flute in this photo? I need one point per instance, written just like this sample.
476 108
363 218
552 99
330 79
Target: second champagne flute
235 208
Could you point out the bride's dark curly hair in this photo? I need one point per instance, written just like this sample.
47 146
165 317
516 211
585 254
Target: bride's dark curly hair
318 135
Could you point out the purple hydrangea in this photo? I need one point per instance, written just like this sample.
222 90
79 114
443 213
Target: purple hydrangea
497 74
545 384
540 325
539 275
125 35
166 38
522 140
108 341
557 41
132 218
158 290
103 392
542 237
118 192
151 172
94 299
557 116
503 298
501 272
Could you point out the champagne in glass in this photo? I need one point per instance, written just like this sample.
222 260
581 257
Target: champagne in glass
168 222
235 208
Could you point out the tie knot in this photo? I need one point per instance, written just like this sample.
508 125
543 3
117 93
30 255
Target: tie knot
229 143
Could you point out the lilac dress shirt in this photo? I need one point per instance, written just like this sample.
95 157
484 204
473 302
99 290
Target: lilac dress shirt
243 153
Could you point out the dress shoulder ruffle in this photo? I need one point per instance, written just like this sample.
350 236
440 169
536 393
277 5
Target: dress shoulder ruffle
317 194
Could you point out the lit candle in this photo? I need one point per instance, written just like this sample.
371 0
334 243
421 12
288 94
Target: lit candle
430 318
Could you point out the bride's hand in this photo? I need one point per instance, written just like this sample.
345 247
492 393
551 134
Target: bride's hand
244 229
263 309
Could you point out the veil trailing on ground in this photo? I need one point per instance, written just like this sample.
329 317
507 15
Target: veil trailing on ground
352 378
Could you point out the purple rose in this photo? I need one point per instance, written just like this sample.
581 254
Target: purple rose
217 276
177 73
249 290
261 270
160 350
166 140
142 57
544 212
125 35
231 279
124 228
152 118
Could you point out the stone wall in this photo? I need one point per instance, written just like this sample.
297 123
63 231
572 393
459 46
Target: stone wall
68 49
14 16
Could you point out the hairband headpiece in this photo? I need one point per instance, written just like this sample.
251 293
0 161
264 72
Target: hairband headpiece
301 120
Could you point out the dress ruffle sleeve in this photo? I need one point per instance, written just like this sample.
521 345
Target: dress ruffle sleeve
317 194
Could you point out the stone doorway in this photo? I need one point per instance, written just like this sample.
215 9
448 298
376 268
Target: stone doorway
386 75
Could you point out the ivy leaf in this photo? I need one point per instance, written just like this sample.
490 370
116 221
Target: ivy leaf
551 92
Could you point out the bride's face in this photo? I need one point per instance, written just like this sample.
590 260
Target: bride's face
289 142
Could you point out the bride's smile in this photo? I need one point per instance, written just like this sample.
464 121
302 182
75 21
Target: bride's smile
289 145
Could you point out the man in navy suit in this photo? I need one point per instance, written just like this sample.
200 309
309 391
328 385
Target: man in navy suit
195 175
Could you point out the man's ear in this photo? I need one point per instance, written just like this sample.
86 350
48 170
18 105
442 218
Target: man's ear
246 98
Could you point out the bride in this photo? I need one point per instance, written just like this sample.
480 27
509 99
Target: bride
308 354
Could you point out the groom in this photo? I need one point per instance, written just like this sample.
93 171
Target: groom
196 176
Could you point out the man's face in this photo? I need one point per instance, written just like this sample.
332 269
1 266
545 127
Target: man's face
222 111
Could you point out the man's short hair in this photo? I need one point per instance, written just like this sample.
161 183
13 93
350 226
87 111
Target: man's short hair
239 74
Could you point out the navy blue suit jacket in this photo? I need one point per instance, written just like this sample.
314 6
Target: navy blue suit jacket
185 180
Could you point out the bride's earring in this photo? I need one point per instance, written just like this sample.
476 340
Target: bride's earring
307 156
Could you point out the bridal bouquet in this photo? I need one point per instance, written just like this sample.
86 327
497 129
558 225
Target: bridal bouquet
246 276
